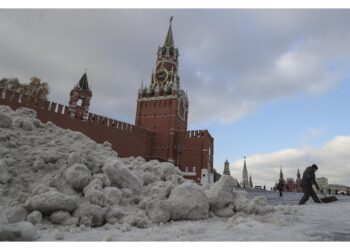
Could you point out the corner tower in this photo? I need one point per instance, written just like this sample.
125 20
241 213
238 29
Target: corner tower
79 99
162 106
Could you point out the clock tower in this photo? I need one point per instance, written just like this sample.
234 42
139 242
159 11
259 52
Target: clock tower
162 106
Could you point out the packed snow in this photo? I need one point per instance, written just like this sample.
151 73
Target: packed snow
58 184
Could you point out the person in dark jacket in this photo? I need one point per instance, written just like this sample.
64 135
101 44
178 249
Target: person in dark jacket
306 184
280 186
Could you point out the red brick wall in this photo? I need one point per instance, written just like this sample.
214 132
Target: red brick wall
160 117
195 152
126 139
169 139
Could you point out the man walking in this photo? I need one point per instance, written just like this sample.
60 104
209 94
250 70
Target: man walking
306 184
280 187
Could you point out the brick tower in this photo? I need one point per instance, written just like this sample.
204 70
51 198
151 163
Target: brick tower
79 101
162 106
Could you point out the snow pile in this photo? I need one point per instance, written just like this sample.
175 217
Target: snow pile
53 176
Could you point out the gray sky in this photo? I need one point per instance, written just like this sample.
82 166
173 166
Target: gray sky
232 62
219 49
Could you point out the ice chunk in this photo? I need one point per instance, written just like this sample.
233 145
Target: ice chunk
158 210
63 218
51 201
35 217
74 158
5 121
137 218
114 214
189 202
121 176
78 176
90 215
93 192
113 195
16 214
221 196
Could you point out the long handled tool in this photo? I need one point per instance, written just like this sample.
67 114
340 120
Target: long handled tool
328 199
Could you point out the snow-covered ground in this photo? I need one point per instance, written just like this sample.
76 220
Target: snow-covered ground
310 222
59 185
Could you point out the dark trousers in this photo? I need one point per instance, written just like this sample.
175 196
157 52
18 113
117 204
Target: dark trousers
309 191
280 193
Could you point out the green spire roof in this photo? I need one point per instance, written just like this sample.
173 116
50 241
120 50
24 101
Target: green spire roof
83 82
169 40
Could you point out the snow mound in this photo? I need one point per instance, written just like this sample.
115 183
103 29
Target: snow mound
61 178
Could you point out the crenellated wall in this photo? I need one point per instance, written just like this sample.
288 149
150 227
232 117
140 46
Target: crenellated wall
193 150
126 139
197 153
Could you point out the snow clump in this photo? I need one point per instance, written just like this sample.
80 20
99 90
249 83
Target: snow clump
188 202
78 176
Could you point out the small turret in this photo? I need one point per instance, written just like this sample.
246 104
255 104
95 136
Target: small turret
227 168
79 100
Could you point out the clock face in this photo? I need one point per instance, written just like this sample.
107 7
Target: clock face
161 76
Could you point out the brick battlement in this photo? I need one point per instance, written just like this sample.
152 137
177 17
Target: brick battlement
191 134
126 139
16 99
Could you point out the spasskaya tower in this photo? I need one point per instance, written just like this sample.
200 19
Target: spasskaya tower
162 108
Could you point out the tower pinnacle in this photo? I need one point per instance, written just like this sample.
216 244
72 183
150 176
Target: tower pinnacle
245 181
169 40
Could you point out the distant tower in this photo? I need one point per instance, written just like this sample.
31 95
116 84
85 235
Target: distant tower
297 182
245 182
227 168
281 174
298 175
79 100
250 181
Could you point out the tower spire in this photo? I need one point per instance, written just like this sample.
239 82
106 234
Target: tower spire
245 181
281 174
169 40
83 82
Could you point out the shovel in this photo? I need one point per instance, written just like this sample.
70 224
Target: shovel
328 199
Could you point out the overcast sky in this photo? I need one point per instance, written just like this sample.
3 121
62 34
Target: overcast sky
271 85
